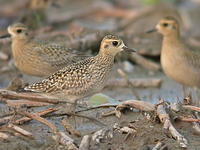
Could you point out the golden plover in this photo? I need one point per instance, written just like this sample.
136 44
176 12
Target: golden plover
178 61
39 58
83 78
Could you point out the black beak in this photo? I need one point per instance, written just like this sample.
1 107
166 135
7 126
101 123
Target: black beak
153 30
5 36
128 49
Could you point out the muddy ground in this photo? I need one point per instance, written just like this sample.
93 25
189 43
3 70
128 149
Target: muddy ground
148 132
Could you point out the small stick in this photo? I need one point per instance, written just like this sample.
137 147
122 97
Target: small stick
165 119
87 117
129 83
139 83
108 113
65 140
20 130
40 113
27 96
195 126
3 56
192 107
62 137
145 63
85 143
69 128
20 111
135 104
158 145
190 96
5 120
3 135
188 100
15 103
190 120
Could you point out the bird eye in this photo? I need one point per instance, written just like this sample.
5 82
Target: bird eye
115 43
19 31
165 24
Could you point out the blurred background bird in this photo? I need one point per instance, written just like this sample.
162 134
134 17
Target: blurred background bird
36 17
39 58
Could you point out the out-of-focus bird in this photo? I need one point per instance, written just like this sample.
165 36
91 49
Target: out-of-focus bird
179 62
36 17
39 58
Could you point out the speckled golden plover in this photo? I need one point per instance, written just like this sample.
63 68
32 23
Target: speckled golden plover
83 78
39 58
178 61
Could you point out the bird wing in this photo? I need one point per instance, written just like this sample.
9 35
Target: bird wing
191 56
73 77
194 59
58 55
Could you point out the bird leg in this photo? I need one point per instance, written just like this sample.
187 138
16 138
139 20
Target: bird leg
197 96
73 117
183 91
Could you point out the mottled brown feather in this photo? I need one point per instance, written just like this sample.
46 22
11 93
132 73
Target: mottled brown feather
83 78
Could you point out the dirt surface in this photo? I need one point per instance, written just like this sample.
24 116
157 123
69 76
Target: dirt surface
148 132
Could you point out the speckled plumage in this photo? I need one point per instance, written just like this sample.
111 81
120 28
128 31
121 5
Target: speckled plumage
179 62
39 58
83 78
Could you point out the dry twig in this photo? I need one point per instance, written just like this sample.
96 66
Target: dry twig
139 83
129 83
20 111
87 117
5 120
165 119
190 120
135 104
20 130
3 135
40 113
16 103
192 107
188 100
63 139
69 128
28 96
145 63
159 145
3 56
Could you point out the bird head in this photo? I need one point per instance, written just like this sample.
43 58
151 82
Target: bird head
16 31
166 26
112 44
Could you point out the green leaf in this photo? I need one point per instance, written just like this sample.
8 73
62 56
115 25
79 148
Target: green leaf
100 99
